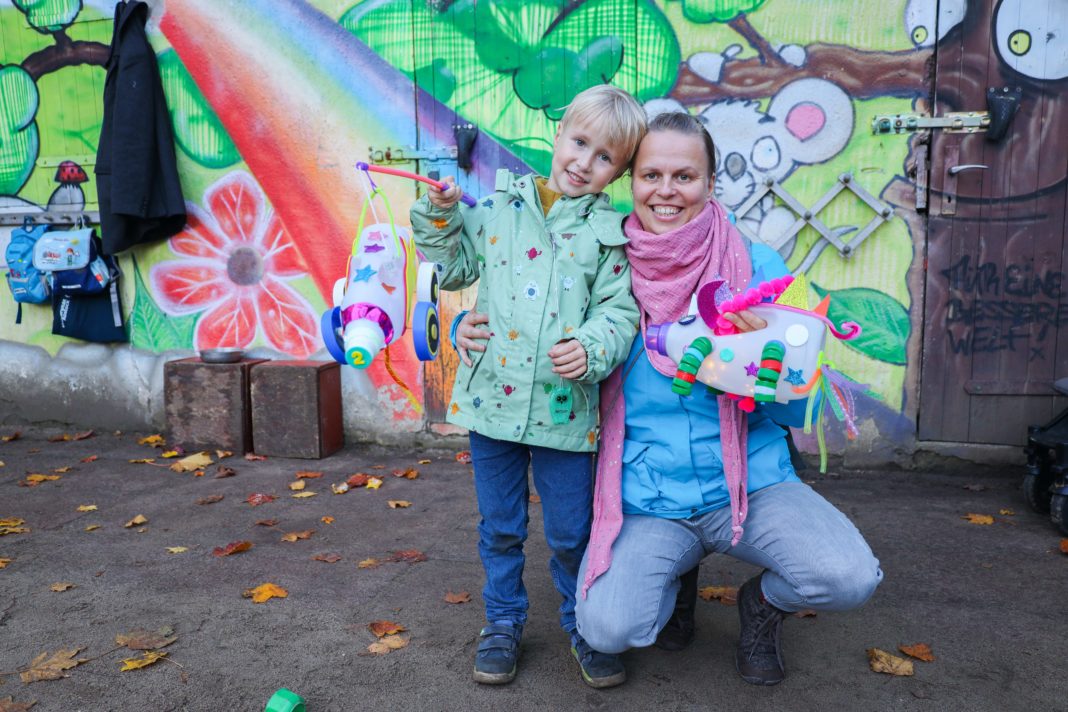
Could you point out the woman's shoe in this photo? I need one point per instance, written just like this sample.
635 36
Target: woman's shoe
759 656
498 653
679 631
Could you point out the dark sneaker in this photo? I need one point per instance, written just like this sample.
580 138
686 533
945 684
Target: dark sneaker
679 630
598 669
498 653
759 656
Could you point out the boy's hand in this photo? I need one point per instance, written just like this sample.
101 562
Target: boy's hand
745 320
448 197
469 337
569 359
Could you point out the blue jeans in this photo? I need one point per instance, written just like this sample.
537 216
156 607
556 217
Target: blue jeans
812 554
564 481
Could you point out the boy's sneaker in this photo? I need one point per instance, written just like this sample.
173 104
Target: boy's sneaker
759 656
598 669
498 653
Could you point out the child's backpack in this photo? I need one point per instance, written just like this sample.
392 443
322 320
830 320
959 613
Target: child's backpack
73 261
28 284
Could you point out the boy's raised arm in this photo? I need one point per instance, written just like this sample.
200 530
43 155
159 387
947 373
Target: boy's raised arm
612 317
442 234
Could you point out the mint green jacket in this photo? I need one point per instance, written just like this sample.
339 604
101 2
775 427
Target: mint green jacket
542 279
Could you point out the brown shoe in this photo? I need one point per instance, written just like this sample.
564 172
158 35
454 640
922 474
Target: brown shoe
759 656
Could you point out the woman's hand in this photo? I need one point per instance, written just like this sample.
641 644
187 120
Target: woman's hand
569 359
468 336
448 196
745 320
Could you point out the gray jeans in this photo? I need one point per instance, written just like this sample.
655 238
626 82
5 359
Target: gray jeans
813 555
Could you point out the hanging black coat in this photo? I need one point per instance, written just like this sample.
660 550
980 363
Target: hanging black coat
137 174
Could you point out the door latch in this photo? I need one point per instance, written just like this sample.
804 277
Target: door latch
407 154
952 122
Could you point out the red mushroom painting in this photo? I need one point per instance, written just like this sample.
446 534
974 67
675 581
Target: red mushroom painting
68 196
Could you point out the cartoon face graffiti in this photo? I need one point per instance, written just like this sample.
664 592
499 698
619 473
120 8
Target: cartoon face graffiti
1033 42
926 23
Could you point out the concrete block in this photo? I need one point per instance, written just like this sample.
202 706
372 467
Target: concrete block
207 404
296 408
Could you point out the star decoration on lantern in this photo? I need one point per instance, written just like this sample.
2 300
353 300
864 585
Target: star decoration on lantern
752 369
796 376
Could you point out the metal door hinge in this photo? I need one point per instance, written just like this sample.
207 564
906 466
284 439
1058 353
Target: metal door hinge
407 154
952 122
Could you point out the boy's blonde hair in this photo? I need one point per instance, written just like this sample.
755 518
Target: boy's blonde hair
611 110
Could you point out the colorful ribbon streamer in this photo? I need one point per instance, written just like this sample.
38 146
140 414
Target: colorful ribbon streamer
838 393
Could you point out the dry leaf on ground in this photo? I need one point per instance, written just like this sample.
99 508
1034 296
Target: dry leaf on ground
60 587
882 661
411 473
424 462
151 440
220 454
147 658
61 470
210 499
727 595
253 457
232 548
382 628
50 666
308 475
357 480
298 485
326 519
294 536
169 454
463 457
11 522
387 644
398 503
139 639
1064 546
411 556
139 519
142 461
36 478
91 458
373 483
1007 512
92 527
8 704
223 471
177 549
192 462
265 592
5 562
978 518
267 522
303 495
920 651
330 557
87 508
340 488
805 613
368 564
259 498
461 597
12 437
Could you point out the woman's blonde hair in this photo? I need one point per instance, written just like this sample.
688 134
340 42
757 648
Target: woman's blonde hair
612 111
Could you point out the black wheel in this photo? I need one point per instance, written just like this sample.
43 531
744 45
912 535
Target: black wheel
1058 512
1036 490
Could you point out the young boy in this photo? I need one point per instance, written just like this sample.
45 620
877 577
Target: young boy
555 284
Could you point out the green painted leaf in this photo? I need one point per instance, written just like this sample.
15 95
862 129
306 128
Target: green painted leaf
884 320
151 329
551 81
47 16
602 58
197 128
19 140
438 79
717 10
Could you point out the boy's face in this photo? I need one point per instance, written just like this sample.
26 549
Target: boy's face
583 162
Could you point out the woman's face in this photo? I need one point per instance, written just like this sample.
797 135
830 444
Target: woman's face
671 182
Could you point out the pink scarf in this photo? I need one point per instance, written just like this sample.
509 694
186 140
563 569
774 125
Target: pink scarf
666 270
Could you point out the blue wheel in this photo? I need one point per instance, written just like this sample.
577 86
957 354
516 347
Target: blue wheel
426 332
329 325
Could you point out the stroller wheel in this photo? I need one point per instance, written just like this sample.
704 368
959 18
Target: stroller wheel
1036 491
1058 512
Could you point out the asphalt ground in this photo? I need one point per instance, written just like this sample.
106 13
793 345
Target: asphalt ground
987 599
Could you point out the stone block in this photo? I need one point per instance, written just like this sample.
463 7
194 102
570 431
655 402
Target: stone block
207 405
296 409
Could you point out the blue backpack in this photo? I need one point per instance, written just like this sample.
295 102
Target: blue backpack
28 284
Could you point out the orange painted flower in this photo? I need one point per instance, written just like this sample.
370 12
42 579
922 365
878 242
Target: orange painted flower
236 260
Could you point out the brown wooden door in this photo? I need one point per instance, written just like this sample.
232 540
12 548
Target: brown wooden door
996 297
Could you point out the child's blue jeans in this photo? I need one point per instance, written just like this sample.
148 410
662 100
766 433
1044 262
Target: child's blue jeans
564 481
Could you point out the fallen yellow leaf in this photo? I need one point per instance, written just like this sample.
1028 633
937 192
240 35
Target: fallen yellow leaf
340 488
177 549
139 519
5 562
374 482
193 462
13 436
399 503
51 666
220 454
87 508
381 628
308 475
293 536
424 462
920 651
146 659
1006 512
461 597
327 519
298 485
61 470
265 592
1 463
372 563
302 495
8 704
727 595
151 440
882 661
13 530
387 645
169 454
37 478
11 522
92 527
143 461
59 587
978 518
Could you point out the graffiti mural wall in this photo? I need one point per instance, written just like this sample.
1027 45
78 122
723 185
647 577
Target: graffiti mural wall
273 103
